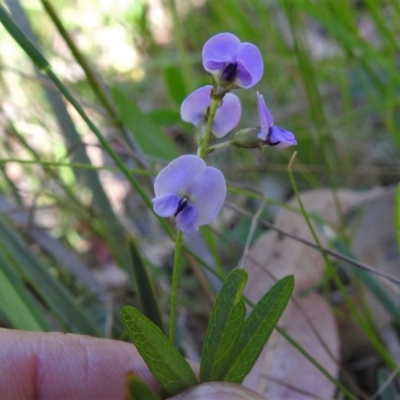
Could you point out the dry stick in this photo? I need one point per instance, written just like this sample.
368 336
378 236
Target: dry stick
314 330
332 253
386 383
253 226
293 388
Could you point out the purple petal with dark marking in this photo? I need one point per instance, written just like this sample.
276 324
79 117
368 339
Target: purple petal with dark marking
284 137
270 132
202 187
166 204
187 220
224 49
219 51
265 115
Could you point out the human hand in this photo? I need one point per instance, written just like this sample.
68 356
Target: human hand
67 366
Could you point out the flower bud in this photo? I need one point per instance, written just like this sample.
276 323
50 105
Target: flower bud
247 138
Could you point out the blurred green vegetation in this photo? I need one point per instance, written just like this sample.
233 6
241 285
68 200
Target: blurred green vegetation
331 77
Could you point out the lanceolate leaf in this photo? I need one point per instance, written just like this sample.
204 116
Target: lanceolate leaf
171 370
137 389
175 84
225 324
151 139
257 329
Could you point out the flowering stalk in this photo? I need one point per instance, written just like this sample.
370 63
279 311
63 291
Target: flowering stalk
187 190
192 194
203 142
174 286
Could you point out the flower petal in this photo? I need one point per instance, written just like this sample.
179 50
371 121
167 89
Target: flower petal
284 137
251 66
227 115
208 195
194 107
166 204
265 115
179 175
187 220
219 51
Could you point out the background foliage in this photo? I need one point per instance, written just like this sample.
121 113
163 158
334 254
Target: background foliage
67 207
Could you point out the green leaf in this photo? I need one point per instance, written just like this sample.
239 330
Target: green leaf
171 370
151 139
46 286
137 389
144 286
257 329
397 215
224 326
175 84
164 117
16 303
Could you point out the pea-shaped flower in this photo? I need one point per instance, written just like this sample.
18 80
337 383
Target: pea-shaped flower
231 62
194 110
189 191
270 134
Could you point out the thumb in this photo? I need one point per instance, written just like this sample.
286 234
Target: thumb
218 391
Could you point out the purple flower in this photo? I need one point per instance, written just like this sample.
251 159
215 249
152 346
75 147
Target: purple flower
271 134
194 110
230 61
189 191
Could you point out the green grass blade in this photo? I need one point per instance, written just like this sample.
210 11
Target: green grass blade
257 329
144 286
113 233
16 303
171 370
224 327
47 287
397 215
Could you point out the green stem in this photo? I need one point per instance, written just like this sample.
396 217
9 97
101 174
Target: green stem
180 41
218 146
203 145
174 288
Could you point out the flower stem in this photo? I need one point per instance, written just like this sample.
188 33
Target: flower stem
174 288
203 147
218 146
